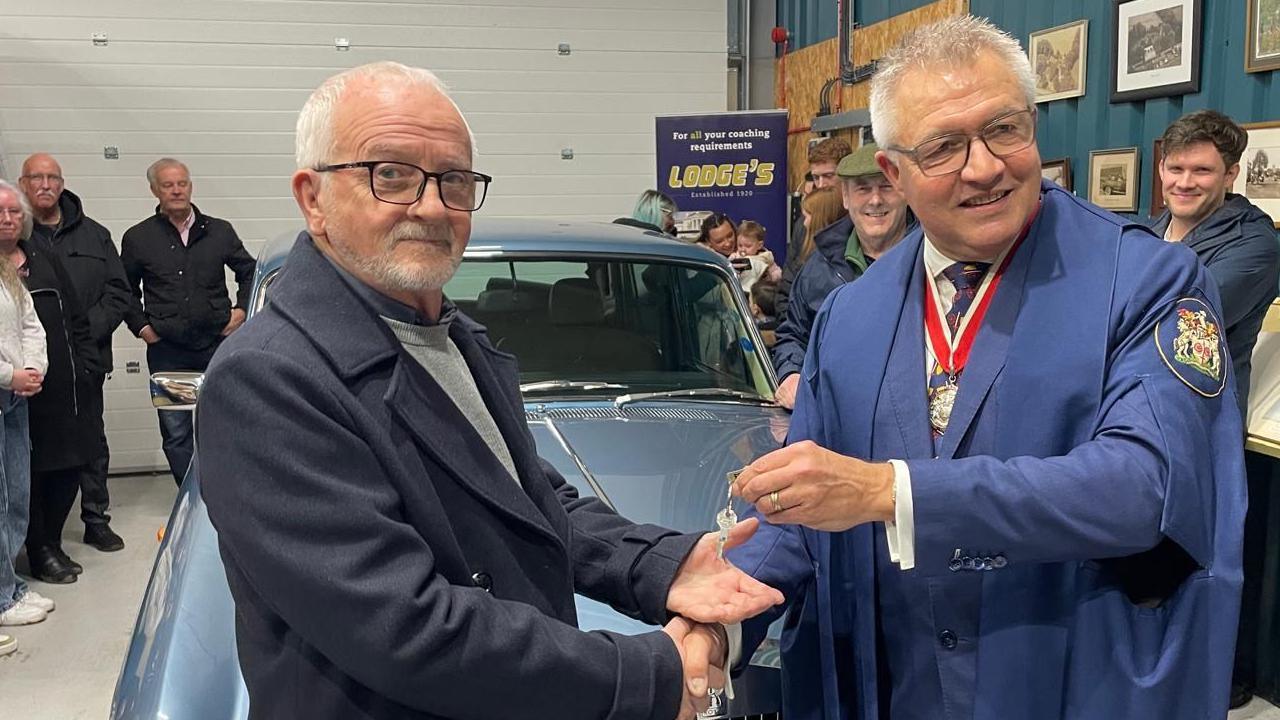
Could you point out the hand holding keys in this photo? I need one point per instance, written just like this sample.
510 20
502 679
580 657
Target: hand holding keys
726 518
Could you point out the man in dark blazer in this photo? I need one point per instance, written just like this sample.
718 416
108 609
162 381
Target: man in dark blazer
394 545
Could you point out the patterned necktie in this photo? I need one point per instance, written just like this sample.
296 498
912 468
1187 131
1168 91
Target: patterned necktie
966 278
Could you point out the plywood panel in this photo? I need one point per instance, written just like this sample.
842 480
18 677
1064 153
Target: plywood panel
809 68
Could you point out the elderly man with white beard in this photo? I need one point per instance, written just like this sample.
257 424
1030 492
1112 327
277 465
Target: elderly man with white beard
393 543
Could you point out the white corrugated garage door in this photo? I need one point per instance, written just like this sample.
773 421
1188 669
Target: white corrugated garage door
217 83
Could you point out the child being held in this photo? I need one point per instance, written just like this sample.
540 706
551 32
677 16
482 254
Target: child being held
751 260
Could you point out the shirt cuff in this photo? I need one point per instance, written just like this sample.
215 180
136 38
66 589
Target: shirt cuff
900 534
733 638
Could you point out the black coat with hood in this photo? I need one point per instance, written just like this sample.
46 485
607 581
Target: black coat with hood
1237 244
90 258
62 430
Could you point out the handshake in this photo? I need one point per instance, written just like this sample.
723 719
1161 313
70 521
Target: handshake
707 593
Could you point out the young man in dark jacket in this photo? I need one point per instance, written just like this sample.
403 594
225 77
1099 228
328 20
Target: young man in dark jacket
1234 239
93 265
1236 242
180 307
878 218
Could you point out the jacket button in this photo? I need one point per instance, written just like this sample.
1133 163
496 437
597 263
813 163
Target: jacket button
482 581
947 639
998 562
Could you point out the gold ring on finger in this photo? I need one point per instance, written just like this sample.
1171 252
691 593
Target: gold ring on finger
773 498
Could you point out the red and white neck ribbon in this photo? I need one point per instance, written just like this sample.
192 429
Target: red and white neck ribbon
952 351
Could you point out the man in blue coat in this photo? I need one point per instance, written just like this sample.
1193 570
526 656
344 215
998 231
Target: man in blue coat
1015 488
393 543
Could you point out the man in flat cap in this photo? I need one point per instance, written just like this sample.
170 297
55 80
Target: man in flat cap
878 218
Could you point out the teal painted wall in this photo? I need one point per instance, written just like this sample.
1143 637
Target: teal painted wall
1073 127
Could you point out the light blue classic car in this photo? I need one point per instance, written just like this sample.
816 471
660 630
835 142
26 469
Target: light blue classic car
644 382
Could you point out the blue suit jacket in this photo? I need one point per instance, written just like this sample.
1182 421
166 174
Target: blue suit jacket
1087 474
382 561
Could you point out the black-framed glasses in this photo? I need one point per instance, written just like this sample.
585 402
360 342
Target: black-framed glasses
949 153
403 184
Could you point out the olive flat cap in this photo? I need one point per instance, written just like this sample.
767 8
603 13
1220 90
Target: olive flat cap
859 163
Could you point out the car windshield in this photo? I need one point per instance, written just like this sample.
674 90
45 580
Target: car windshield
610 326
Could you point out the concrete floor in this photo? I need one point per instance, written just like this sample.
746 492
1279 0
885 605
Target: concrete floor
66 667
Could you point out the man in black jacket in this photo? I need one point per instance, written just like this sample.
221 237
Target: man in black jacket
180 306
1236 242
878 218
90 258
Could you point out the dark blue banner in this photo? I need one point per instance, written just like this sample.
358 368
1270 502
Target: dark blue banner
733 163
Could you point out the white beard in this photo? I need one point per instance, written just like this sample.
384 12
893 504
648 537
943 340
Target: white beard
427 274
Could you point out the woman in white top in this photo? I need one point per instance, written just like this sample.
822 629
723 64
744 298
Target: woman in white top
22 366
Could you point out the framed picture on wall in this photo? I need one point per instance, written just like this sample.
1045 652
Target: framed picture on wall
1113 179
1262 36
1058 171
1155 48
1057 60
1259 176
1157 190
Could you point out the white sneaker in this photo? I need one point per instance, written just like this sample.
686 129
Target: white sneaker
21 614
7 645
35 599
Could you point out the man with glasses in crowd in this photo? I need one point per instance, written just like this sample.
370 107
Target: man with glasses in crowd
180 307
1014 486
90 258
394 545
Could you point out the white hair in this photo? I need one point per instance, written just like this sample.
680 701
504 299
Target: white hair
314 141
952 42
28 217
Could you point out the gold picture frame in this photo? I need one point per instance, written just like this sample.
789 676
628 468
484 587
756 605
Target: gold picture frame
1058 56
1262 36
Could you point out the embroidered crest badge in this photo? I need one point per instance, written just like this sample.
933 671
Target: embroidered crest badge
1190 342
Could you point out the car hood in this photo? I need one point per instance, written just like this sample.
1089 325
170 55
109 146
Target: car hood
662 463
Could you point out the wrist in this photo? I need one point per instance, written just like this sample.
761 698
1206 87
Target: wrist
886 503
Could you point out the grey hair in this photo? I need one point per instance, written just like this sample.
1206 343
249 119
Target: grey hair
153 170
948 43
28 217
314 141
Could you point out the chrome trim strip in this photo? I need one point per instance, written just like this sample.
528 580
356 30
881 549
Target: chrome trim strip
582 467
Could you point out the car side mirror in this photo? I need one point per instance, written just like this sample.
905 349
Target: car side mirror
176 390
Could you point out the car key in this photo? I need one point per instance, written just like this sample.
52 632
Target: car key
726 518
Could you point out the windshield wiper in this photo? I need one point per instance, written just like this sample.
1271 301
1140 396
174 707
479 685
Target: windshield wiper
692 394
545 385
